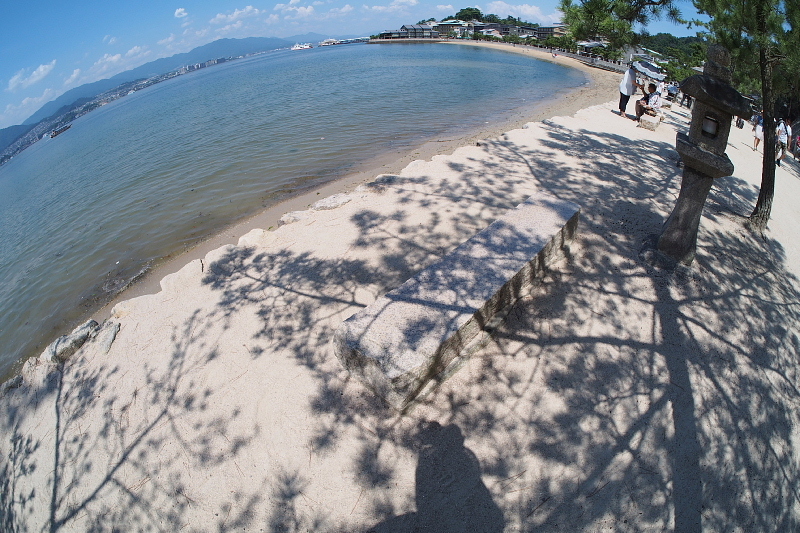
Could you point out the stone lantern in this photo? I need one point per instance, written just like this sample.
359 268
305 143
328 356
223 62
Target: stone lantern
702 151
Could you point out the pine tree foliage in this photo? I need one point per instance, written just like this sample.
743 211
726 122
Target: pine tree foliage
762 36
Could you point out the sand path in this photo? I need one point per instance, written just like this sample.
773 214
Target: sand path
615 397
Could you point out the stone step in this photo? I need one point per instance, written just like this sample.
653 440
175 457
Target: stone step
416 335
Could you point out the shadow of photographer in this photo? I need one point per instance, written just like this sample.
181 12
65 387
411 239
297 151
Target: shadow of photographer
450 494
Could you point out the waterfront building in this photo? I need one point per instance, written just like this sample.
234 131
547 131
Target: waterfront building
411 31
545 32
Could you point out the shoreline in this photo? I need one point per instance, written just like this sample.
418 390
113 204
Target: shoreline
594 92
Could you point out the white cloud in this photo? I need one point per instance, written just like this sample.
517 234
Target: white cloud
230 27
108 39
291 12
22 80
273 19
137 52
347 8
75 74
180 13
108 59
167 40
15 114
393 7
448 7
238 14
523 11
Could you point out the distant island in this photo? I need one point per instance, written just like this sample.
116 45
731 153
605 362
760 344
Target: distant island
54 117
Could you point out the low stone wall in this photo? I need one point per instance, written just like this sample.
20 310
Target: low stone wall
416 335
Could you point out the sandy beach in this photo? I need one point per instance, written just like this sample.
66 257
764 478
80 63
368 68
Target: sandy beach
616 396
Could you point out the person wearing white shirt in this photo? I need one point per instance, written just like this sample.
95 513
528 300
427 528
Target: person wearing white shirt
783 133
627 88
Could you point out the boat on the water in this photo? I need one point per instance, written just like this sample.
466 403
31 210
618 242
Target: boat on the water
59 131
301 46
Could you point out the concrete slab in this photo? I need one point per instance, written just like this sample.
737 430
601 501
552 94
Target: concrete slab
649 123
418 332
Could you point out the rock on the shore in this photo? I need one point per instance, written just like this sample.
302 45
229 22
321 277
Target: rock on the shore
13 383
66 345
293 216
106 335
332 202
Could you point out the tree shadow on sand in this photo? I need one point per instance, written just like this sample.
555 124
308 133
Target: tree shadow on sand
128 468
619 395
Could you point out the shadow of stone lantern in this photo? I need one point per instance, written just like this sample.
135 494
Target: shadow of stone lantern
702 151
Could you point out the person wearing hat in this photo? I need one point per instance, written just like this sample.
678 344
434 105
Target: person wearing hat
783 133
627 88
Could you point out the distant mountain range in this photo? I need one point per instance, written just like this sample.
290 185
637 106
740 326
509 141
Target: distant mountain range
32 128
212 50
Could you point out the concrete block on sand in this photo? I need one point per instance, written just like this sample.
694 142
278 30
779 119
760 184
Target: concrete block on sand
649 123
414 336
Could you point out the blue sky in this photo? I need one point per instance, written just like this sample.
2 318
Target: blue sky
48 47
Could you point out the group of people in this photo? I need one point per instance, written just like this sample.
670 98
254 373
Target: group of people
649 104
784 142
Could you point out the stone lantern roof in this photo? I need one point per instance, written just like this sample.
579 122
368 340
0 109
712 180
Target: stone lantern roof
717 93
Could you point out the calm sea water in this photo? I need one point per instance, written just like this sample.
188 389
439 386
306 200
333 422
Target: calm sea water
154 173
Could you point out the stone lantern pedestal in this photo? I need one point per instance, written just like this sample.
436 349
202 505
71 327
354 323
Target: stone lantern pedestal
702 151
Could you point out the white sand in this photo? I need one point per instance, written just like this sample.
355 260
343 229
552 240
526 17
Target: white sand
616 397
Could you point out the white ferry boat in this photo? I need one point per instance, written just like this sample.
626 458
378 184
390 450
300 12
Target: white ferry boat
302 46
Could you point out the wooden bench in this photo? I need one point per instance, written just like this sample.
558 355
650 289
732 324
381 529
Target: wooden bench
415 336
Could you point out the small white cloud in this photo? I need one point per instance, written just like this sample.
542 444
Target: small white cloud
107 59
15 114
393 7
167 40
273 19
75 74
291 12
230 27
22 80
137 52
336 11
448 7
523 11
238 14
180 13
108 39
